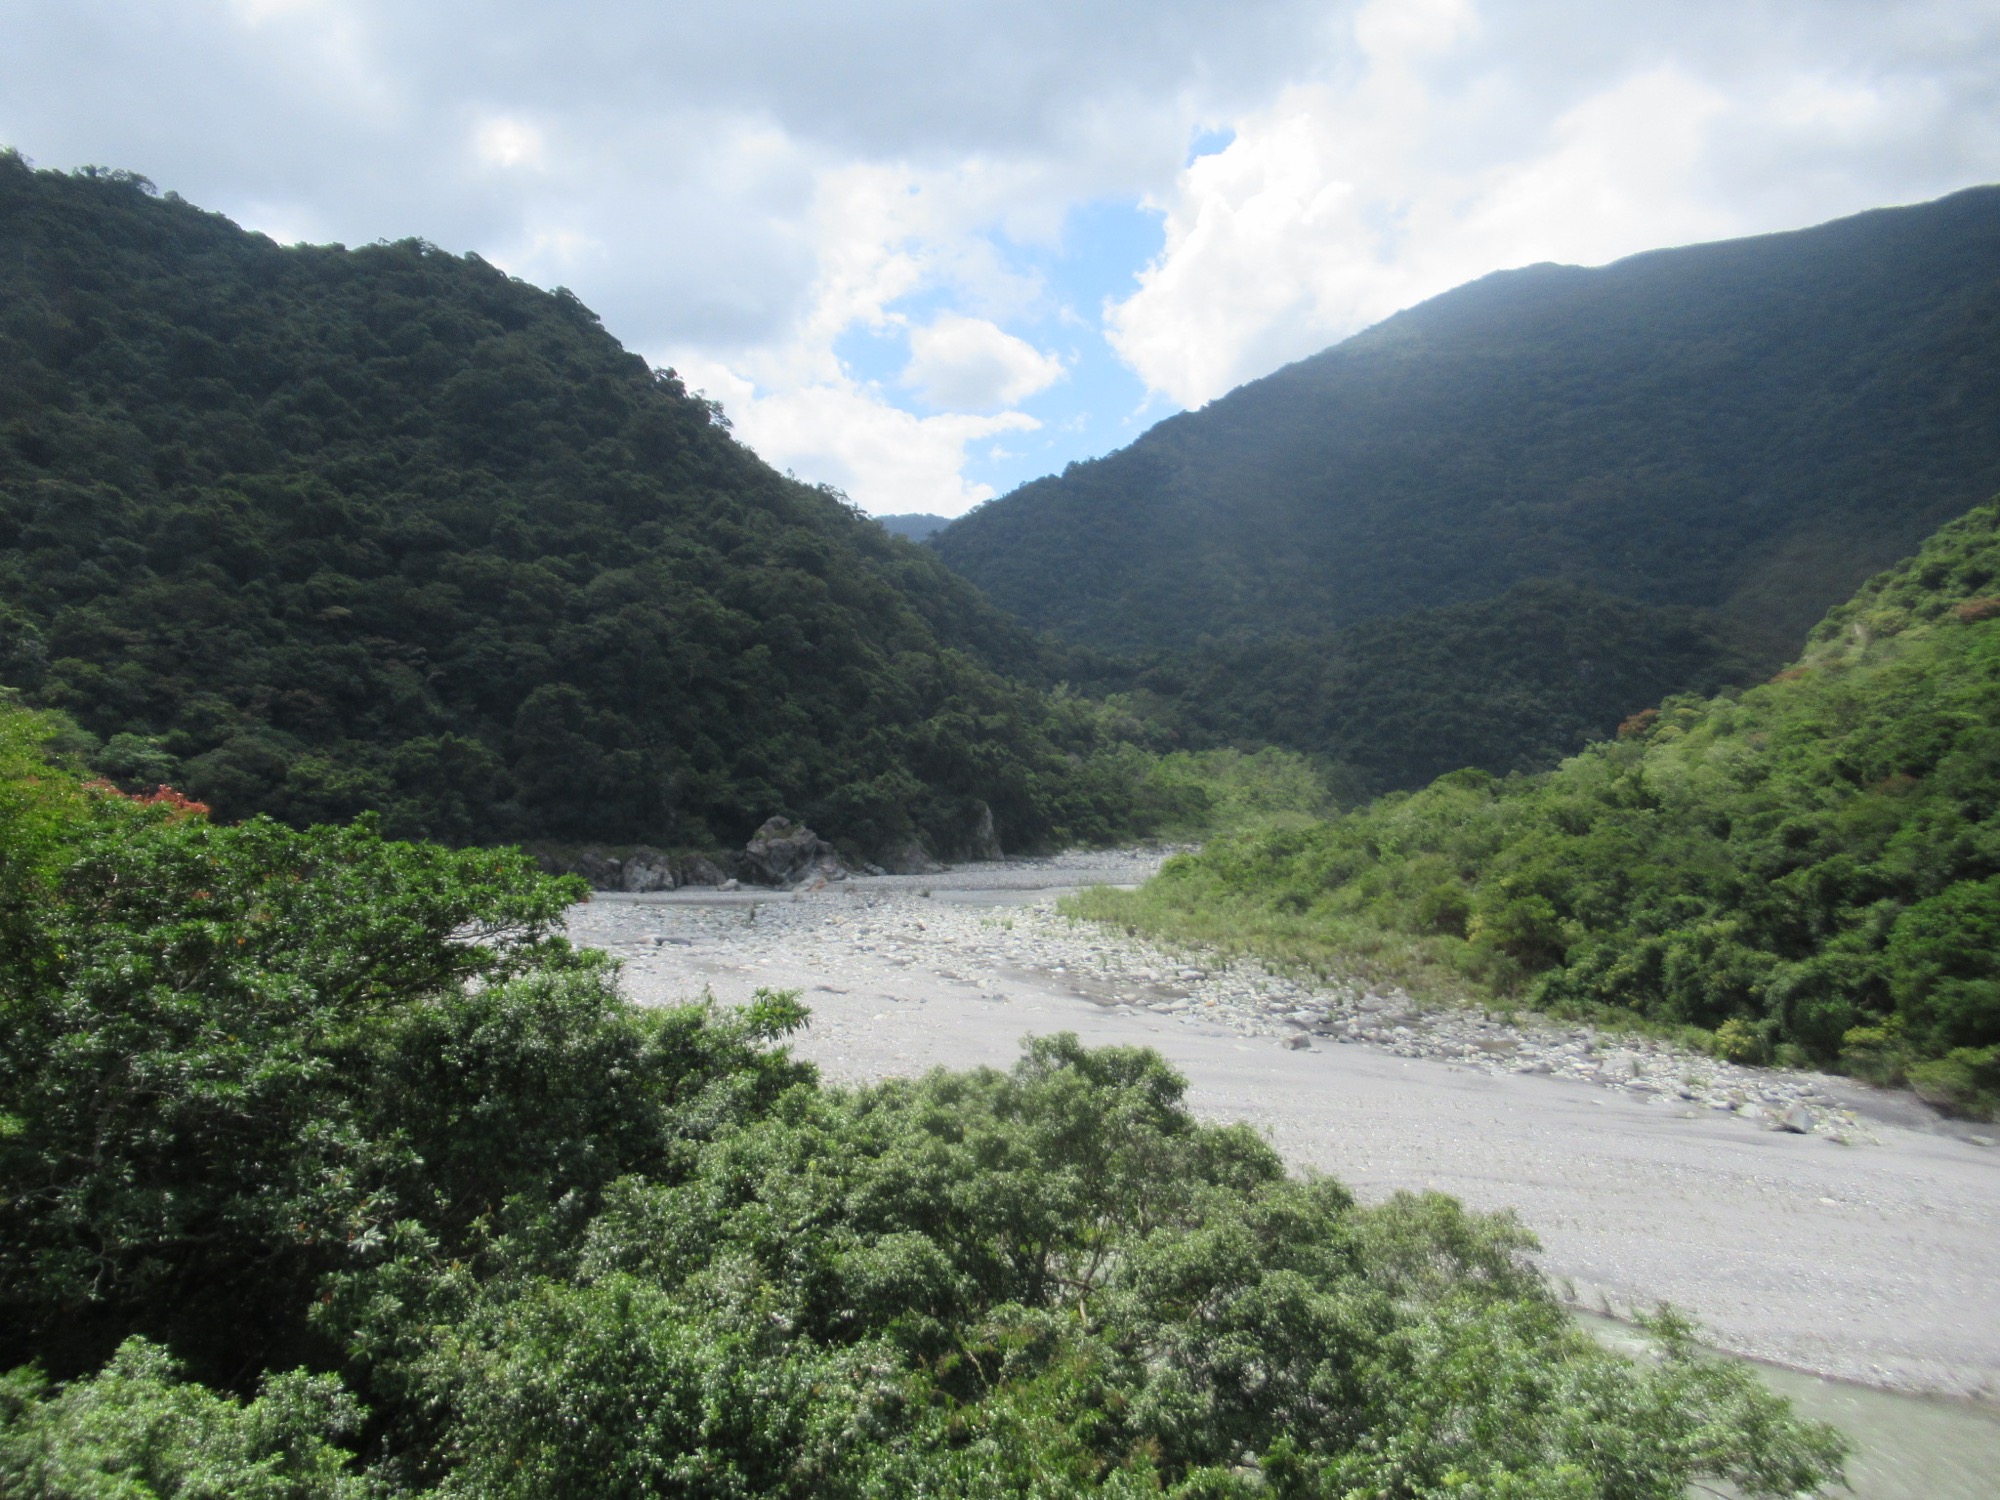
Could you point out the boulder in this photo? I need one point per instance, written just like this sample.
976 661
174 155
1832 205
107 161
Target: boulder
695 870
603 872
1797 1120
785 853
646 870
909 858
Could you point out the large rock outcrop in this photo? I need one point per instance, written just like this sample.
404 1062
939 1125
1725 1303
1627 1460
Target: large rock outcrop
909 858
639 872
781 853
646 870
784 853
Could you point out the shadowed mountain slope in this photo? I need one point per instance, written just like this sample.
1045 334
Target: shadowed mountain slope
1751 427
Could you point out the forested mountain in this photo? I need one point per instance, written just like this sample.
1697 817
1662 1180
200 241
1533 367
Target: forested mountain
1750 427
1810 868
310 530
1513 683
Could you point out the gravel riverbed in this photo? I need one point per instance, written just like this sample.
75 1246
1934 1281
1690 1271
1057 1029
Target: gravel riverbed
1805 1219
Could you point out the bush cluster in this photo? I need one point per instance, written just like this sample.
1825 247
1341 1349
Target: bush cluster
327 1169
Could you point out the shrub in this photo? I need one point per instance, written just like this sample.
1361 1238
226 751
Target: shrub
1737 1041
1965 1081
136 1428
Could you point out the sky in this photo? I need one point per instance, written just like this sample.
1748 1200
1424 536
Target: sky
924 251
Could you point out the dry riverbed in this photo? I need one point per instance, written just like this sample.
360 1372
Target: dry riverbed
1806 1221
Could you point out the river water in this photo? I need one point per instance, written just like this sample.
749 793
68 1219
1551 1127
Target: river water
1905 1447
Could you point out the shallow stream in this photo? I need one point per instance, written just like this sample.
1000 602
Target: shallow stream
1905 1447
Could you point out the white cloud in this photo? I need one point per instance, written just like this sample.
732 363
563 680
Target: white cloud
969 364
836 432
1394 29
1333 209
507 141
325 50
881 233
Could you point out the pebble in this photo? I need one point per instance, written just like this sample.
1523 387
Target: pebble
879 919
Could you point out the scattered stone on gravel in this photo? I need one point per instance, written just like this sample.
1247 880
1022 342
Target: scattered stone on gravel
881 916
1790 1247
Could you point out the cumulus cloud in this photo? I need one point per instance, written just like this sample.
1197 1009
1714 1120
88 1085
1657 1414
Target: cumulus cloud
1459 140
1316 221
883 233
836 432
969 364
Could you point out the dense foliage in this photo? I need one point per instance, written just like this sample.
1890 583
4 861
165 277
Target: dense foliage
328 1170
310 531
1508 684
1810 868
1752 427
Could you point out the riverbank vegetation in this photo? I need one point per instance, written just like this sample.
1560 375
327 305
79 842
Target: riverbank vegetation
328 1169
1809 871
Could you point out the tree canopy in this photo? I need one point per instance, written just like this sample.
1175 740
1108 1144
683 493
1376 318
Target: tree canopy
1513 683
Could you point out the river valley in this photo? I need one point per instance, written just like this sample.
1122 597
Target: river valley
1807 1223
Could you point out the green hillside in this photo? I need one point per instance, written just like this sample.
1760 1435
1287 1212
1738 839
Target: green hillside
329 1172
311 530
1810 868
1751 427
1512 683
